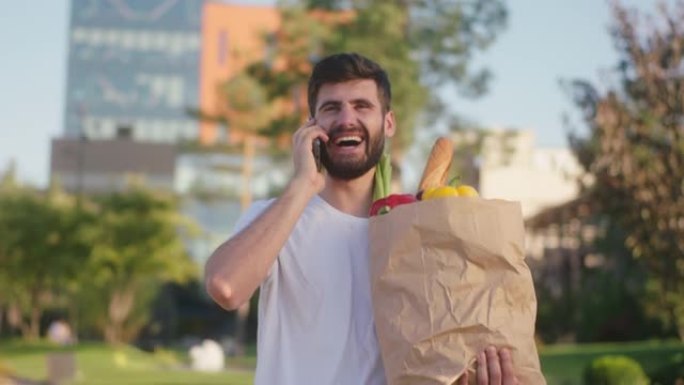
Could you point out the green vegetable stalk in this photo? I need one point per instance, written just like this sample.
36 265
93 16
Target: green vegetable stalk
383 178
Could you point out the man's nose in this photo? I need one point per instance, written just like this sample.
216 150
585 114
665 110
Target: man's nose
347 116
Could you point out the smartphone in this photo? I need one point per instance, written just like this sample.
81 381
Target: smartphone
317 153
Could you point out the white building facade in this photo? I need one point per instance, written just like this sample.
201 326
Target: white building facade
513 168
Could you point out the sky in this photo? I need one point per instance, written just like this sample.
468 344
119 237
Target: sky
546 41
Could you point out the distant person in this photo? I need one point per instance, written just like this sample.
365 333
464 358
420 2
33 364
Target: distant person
308 248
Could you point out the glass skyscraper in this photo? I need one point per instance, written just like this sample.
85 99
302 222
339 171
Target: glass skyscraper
133 67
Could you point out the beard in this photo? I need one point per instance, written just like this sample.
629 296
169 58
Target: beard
348 168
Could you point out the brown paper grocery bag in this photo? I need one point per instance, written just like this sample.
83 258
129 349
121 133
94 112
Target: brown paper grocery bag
448 279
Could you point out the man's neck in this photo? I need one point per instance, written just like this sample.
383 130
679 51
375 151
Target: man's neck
350 196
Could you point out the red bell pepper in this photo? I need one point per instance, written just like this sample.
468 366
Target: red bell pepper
384 205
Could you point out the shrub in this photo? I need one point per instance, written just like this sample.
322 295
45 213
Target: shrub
670 373
614 370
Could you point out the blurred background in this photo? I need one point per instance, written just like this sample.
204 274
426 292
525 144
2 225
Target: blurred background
133 134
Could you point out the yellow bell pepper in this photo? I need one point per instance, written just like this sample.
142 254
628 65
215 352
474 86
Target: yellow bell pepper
449 191
467 191
440 192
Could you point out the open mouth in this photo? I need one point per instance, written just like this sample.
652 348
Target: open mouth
348 141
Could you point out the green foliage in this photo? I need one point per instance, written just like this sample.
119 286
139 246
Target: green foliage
101 262
565 364
137 238
609 312
135 248
42 249
8 180
609 302
672 372
442 35
299 42
606 302
446 35
615 370
635 151
245 104
323 4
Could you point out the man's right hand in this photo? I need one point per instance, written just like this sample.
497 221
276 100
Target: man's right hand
306 174
494 367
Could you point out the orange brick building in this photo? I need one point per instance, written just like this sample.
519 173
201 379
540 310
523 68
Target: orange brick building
232 38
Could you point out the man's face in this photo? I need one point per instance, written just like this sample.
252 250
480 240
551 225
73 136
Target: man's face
351 114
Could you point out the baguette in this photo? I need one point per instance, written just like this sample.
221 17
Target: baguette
438 163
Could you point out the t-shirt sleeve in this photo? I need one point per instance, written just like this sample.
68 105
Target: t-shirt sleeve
252 212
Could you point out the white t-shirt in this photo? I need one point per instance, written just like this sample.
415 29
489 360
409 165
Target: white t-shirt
315 315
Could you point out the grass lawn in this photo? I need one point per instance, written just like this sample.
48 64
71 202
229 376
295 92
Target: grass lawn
564 364
103 365
99 364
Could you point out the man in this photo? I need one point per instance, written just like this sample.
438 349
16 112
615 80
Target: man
308 249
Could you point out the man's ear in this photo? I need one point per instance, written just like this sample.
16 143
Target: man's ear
390 124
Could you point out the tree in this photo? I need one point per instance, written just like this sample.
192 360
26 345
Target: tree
442 36
635 150
445 34
42 248
135 248
9 176
246 111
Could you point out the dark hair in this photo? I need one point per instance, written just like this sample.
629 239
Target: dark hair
343 67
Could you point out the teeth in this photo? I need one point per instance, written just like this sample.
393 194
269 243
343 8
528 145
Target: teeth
348 138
